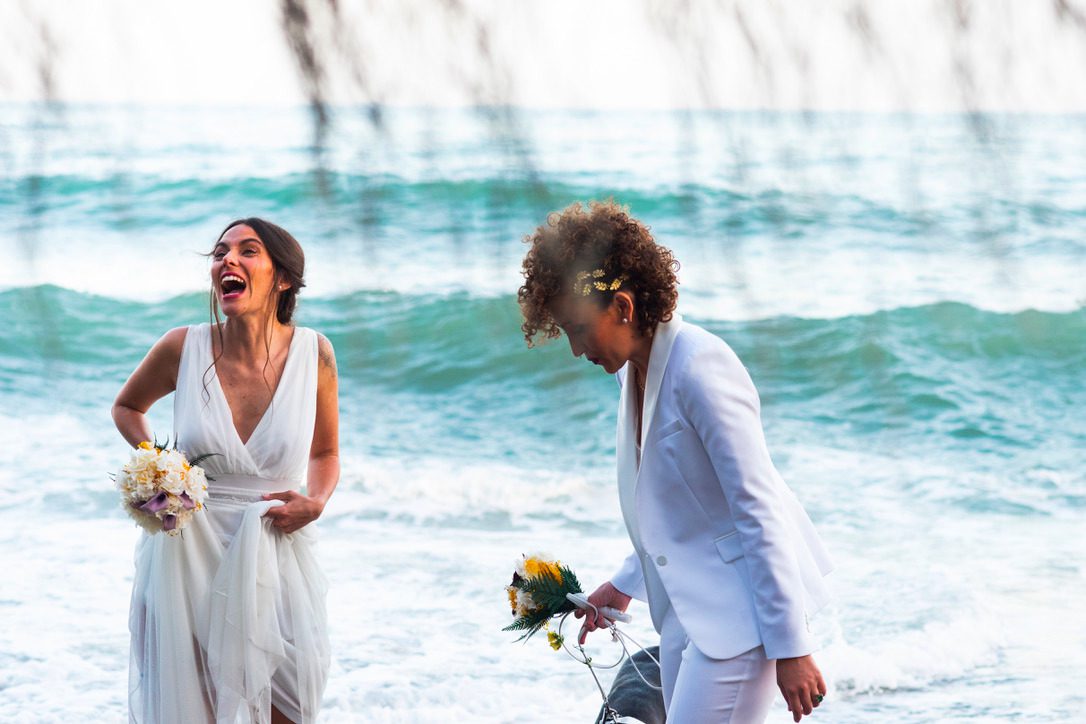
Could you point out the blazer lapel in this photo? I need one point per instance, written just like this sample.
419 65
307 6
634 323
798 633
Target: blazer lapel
625 446
666 332
626 453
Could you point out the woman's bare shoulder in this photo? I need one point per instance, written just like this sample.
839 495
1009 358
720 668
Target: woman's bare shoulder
173 341
167 350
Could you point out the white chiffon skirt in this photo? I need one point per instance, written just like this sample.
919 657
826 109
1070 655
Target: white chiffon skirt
228 619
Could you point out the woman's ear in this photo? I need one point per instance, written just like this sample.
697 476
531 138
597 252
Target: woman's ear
623 305
281 284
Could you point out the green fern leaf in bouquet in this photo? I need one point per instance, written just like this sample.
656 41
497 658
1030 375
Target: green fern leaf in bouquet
538 593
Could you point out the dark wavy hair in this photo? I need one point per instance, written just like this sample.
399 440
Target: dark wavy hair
601 236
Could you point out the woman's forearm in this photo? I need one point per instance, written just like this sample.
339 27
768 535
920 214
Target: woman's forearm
132 424
322 477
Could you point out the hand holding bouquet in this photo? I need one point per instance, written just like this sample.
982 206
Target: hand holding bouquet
542 589
160 488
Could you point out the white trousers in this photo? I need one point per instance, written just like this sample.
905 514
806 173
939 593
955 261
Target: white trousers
700 690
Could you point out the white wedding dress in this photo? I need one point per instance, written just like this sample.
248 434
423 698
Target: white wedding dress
228 619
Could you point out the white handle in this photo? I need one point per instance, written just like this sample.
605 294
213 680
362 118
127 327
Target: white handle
581 601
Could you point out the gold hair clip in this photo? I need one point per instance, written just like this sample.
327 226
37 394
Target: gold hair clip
587 281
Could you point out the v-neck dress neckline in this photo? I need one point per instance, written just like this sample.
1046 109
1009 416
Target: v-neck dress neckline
275 394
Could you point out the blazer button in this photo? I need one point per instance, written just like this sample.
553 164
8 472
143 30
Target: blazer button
661 560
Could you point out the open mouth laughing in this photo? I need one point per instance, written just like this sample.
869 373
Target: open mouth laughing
232 286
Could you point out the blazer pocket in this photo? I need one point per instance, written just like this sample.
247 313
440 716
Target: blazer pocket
729 546
671 428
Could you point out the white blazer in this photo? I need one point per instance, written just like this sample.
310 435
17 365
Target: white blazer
716 532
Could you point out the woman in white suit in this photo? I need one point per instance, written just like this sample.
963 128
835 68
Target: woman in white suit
723 552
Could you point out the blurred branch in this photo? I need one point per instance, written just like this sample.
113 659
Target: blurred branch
304 40
1066 12
47 113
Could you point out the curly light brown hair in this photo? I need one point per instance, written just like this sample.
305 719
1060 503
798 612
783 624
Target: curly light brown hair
602 236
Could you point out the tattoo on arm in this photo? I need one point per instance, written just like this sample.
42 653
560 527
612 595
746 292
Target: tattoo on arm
327 356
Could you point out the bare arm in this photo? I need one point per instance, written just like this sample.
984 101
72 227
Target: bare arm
324 453
323 473
154 378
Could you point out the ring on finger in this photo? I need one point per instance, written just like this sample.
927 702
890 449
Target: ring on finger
818 698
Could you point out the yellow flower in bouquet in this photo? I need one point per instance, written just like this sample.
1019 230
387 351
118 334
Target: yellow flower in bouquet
542 567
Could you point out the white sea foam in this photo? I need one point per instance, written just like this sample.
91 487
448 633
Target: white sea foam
937 652
416 614
931 611
432 489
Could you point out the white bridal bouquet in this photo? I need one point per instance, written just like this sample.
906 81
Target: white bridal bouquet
160 488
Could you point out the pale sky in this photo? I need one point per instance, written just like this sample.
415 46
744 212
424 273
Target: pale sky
925 55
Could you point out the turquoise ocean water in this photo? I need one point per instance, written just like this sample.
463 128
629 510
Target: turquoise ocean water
907 292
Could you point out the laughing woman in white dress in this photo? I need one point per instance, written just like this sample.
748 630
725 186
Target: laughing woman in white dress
228 619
